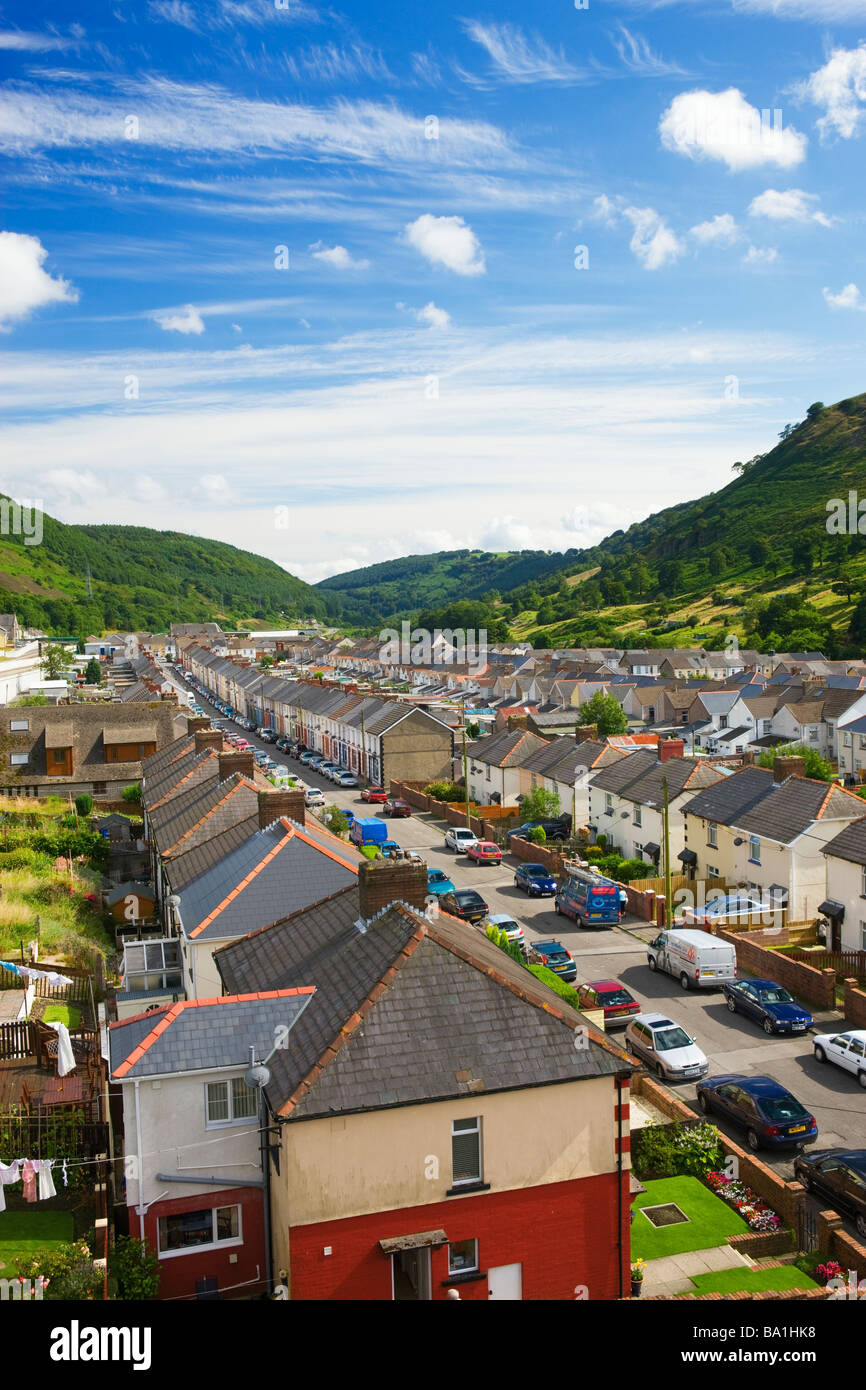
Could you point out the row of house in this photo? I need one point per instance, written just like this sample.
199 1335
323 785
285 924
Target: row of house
73 749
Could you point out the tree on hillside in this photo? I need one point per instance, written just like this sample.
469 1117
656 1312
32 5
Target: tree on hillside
54 662
815 765
816 409
803 554
670 577
606 712
759 551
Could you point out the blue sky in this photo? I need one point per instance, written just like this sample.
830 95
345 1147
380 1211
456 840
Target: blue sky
338 284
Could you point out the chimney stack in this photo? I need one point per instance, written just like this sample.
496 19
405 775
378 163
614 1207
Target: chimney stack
584 732
671 748
788 767
518 721
207 738
242 763
197 721
382 882
288 801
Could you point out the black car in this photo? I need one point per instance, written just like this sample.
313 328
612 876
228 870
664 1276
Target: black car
840 1175
466 904
769 1114
769 1004
553 829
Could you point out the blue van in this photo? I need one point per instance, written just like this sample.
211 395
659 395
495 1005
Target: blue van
591 901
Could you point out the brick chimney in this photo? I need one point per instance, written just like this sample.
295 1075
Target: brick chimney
518 721
671 748
197 721
584 732
207 738
241 762
282 801
788 767
382 882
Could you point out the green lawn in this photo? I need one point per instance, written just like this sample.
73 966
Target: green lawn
63 1013
22 1232
752 1280
710 1220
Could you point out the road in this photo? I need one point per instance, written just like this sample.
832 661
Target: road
731 1042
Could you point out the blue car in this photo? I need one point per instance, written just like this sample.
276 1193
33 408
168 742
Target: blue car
438 883
555 956
535 880
769 1004
770 1115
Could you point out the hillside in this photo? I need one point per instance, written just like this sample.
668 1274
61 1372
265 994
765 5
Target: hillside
144 579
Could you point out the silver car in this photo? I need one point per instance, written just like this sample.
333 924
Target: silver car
667 1049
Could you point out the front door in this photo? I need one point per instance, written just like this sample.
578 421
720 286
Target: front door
505 1281
411 1270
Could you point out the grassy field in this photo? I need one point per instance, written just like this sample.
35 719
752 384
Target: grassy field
750 1281
22 1232
710 1220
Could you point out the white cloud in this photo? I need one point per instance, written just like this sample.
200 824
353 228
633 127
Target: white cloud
720 231
848 298
214 488
24 285
723 126
236 328
174 12
147 489
520 59
604 210
840 88
637 56
792 205
653 242
336 256
186 320
507 533
19 41
760 255
68 486
447 241
432 315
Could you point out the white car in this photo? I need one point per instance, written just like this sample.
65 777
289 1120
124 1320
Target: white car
667 1049
847 1050
346 779
460 839
314 797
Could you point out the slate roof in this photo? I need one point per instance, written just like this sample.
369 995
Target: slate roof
191 769
200 1035
850 843
561 758
750 800
268 876
639 777
408 1011
508 748
181 868
187 820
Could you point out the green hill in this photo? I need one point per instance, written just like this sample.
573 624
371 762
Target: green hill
143 579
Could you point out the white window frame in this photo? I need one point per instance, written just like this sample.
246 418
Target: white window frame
863 881
233 1119
713 835
209 1245
712 871
464 1269
863 936
19 726
636 816
754 849
466 1121
19 759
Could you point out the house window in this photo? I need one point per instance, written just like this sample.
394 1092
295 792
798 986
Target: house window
227 1102
863 882
462 1256
191 1230
152 964
58 755
754 849
862 740
465 1151
100 788
608 804
847 740
637 815
813 735
19 726
863 936
712 871
713 836
723 722
19 759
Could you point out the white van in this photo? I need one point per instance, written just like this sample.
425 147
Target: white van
694 957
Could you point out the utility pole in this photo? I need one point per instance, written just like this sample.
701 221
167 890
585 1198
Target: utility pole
669 912
363 746
465 767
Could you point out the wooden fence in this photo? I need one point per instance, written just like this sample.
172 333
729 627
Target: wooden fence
76 992
847 964
16 1040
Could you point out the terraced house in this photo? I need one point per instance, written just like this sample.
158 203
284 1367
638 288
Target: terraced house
70 749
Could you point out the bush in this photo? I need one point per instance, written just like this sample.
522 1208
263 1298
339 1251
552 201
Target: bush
24 859
135 1269
634 868
132 793
335 820
69 1270
669 1151
548 977
84 804
369 851
446 791
538 836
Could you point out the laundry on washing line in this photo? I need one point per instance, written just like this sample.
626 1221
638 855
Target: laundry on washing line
28 972
34 1173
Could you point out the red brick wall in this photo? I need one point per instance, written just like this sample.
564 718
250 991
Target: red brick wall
178 1274
816 986
563 1234
835 1244
855 1005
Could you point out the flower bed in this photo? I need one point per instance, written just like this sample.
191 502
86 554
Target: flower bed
751 1207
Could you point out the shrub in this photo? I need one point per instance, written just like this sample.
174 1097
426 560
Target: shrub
445 791
135 1268
84 804
633 868
335 820
538 836
132 793
369 851
673 1150
68 1268
549 977
24 859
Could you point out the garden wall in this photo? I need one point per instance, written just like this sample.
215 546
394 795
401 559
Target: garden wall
816 986
855 1005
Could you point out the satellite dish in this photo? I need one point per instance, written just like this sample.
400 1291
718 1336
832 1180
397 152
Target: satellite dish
257 1076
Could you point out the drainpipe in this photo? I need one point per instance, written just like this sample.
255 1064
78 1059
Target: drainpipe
140 1207
619 1178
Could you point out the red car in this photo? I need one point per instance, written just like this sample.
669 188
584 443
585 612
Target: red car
396 807
484 852
374 794
619 1006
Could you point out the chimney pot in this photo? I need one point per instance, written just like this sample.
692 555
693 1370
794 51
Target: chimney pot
584 732
382 882
197 721
281 801
207 738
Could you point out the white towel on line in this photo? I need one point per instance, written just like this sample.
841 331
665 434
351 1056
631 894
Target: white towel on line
65 1055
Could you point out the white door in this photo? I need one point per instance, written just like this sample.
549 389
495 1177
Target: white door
505 1281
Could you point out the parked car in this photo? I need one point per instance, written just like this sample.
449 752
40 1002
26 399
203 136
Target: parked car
770 1115
458 838
553 829
535 880
484 852
840 1175
314 797
513 930
242 745
732 908
769 1004
374 794
396 807
346 779
554 955
316 761
618 1003
589 900
466 904
325 768
438 882
693 957
266 735
306 758
846 1050
368 830
284 743
665 1047
389 847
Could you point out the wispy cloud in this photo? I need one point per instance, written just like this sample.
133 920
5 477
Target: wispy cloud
719 231
637 57
652 243
847 298
337 257
21 41
518 58
760 255
186 320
